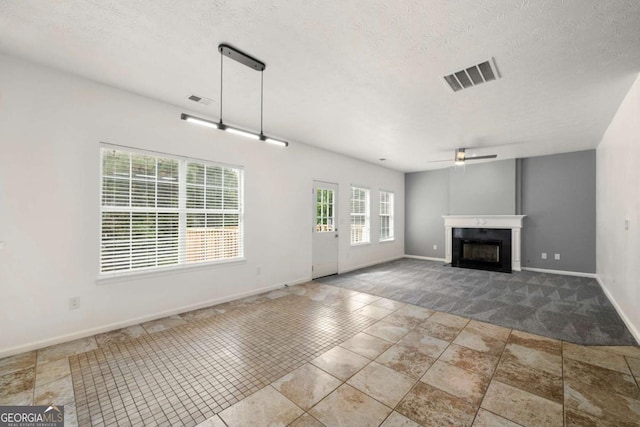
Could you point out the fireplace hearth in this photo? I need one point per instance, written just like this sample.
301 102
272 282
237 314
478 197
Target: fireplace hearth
481 248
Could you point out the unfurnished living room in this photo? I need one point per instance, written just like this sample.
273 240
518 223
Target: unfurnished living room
356 213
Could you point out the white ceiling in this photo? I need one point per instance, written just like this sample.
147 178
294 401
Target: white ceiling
359 77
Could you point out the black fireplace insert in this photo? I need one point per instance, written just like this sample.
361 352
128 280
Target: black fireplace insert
481 248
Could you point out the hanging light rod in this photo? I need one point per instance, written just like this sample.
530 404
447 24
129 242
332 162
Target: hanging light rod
231 129
251 62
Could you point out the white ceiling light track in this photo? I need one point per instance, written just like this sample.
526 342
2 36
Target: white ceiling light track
251 62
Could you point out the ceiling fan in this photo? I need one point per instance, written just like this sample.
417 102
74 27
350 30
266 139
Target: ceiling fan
460 157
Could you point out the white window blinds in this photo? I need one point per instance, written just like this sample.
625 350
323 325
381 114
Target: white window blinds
359 215
386 215
213 213
160 211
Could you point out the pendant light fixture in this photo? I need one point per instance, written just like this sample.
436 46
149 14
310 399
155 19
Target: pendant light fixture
251 62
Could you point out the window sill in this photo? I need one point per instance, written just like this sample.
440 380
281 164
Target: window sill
164 271
387 240
361 244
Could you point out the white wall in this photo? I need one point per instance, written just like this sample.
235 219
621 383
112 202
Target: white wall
51 124
618 198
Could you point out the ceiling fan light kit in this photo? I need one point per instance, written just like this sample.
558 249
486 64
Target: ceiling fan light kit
251 62
460 157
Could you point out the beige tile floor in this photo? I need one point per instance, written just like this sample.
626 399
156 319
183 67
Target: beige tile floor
314 355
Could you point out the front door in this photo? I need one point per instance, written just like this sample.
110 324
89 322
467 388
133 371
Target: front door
325 229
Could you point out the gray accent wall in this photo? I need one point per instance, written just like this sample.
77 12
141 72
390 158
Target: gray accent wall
557 193
559 199
426 200
486 188
483 189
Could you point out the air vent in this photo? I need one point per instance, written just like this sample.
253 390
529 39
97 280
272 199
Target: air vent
473 76
200 99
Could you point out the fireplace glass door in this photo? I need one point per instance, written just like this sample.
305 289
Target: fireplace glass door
481 251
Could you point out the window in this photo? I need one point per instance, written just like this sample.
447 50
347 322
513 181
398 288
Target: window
325 218
159 211
359 215
386 215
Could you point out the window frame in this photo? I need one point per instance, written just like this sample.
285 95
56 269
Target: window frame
182 211
391 215
366 214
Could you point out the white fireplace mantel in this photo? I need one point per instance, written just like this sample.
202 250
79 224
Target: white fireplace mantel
513 222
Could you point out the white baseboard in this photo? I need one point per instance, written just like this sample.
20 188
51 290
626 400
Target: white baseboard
561 272
369 264
135 321
632 328
426 258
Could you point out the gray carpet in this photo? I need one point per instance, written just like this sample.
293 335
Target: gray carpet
568 308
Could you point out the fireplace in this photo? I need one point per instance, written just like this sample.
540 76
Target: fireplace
490 242
481 248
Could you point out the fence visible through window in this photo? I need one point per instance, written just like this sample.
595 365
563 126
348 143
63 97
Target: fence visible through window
325 210
359 215
159 211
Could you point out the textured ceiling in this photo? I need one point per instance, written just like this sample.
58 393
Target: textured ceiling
359 77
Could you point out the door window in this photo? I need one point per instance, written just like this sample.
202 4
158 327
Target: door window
325 215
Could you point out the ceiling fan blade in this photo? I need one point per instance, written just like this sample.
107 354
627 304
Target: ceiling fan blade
439 161
490 156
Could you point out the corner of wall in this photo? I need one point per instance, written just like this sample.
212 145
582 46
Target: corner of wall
632 328
618 209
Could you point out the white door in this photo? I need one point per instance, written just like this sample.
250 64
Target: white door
325 229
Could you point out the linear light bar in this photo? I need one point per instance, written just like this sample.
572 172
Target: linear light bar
199 121
240 132
231 129
253 63
273 141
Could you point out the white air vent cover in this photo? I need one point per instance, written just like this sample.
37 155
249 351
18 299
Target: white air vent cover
473 76
200 99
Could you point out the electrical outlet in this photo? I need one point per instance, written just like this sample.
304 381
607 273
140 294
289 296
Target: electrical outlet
2 245
74 303
435 247
626 224
556 257
544 255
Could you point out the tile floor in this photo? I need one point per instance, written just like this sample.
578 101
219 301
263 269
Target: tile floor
314 355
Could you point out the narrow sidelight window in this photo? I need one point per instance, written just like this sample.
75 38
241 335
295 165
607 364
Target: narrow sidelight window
386 215
359 215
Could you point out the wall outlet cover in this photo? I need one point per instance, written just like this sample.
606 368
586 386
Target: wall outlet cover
556 257
74 303
544 255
